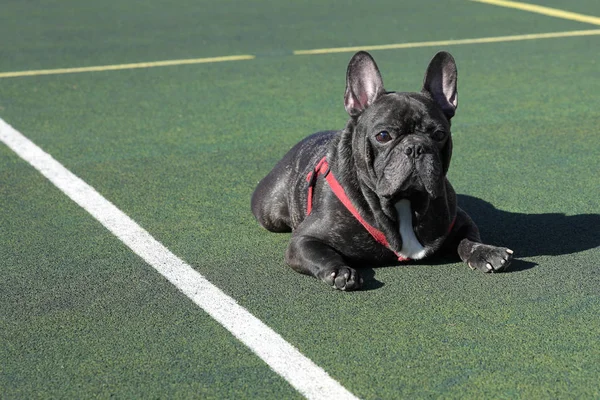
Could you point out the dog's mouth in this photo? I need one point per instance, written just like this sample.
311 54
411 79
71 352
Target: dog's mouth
419 201
414 196
419 190
409 179
414 186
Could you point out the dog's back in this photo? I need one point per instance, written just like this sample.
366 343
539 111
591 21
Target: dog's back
279 201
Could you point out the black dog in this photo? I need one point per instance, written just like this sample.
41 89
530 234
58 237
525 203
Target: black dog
375 192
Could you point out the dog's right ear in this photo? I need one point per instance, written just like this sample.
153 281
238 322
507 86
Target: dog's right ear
363 83
440 82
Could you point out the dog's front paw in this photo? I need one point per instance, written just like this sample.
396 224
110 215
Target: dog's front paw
342 278
488 258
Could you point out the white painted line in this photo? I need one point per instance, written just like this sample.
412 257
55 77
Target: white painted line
303 374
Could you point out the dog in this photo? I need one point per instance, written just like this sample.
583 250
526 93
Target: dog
376 192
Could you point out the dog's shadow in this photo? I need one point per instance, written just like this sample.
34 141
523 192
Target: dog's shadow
532 235
528 235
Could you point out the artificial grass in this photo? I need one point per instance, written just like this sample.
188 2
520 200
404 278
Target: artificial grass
70 33
180 150
82 316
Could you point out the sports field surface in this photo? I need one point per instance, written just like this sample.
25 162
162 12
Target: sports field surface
132 134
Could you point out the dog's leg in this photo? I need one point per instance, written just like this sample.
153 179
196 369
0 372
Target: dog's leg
310 256
484 257
269 202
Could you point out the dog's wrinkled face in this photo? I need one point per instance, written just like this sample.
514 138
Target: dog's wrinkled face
402 139
407 140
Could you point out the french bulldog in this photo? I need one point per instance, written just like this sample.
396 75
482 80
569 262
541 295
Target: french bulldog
376 192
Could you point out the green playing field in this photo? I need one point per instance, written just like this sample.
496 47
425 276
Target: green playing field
180 148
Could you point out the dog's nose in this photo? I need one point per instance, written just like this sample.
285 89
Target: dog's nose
414 151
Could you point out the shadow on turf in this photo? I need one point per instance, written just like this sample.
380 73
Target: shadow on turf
529 235
532 235
370 283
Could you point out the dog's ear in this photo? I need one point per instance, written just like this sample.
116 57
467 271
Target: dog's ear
440 82
363 83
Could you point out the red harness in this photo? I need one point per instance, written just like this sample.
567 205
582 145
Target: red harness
322 168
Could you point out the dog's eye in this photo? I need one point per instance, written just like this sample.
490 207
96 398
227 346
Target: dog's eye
383 137
438 136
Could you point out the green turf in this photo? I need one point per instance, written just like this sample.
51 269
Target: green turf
82 316
585 7
56 34
180 150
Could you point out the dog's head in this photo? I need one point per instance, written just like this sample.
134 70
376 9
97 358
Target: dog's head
401 141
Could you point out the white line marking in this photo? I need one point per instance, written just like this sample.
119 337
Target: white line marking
303 374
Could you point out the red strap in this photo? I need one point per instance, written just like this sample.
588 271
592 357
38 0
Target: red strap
338 190
322 168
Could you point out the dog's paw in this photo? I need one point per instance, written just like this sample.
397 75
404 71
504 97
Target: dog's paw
342 278
488 258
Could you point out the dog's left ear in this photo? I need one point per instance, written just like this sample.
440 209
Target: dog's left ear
363 83
440 82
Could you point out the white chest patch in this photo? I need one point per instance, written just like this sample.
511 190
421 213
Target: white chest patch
411 248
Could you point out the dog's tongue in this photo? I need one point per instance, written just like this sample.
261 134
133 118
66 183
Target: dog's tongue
419 202
419 188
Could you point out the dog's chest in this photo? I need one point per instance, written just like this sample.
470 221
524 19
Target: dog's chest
411 248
